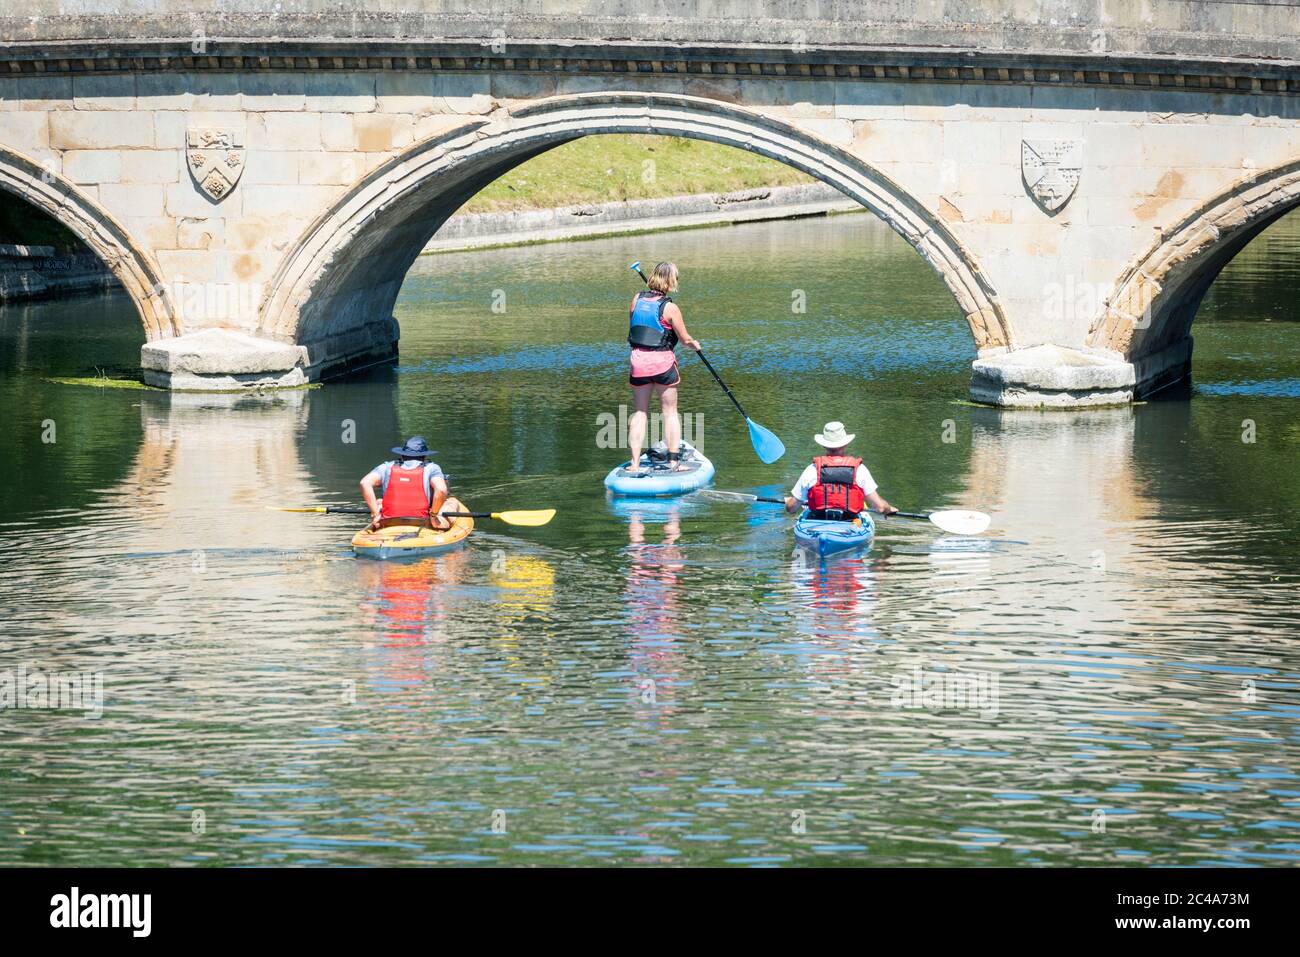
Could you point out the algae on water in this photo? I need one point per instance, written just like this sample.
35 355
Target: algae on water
101 382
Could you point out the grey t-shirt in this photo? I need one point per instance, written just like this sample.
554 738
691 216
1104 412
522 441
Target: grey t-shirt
431 472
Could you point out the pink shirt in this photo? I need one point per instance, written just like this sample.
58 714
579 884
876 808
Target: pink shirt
650 362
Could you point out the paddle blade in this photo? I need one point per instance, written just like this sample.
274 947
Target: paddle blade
720 495
533 517
960 521
276 508
766 445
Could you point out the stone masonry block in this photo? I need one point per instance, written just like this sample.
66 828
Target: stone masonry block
839 132
104 92
93 166
1170 145
273 92
330 169
133 199
36 93
26 132
153 232
152 166
381 132
263 167
288 131
293 202
112 130
341 93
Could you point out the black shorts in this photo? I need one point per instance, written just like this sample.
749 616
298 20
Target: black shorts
667 377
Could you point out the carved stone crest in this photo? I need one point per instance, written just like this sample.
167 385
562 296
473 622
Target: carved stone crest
216 159
1051 170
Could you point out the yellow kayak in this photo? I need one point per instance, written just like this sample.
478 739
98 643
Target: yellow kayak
413 541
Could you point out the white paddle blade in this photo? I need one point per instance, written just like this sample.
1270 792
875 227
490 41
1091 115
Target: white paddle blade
960 521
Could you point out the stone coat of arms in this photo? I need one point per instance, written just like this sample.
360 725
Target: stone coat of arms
216 159
1051 170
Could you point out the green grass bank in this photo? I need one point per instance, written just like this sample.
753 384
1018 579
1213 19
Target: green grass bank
613 168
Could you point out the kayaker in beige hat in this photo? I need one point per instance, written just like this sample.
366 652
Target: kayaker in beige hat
836 486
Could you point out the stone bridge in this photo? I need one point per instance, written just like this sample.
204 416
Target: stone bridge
260 181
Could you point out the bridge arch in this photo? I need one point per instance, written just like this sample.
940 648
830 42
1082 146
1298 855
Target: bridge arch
94 226
344 274
1158 294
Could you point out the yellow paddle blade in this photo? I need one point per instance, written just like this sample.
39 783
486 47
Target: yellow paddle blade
539 516
276 508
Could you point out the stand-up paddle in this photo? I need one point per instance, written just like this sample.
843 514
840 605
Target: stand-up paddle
956 521
767 446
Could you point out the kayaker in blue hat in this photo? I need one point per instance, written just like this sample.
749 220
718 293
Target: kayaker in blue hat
836 486
413 489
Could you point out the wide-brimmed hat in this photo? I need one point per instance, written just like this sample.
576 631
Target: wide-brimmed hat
833 436
415 448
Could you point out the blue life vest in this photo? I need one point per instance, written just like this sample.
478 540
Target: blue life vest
645 331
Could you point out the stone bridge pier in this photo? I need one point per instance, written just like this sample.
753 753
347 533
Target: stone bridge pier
261 184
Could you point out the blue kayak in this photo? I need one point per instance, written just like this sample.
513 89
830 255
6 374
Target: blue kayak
826 537
656 480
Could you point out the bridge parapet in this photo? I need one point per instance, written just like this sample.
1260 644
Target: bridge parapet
1169 29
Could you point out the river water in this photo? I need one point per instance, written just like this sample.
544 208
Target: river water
1108 676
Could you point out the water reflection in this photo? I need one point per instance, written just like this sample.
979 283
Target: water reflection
659 681
652 601
409 607
526 583
839 593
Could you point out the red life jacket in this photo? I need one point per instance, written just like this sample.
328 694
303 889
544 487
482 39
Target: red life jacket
837 488
405 496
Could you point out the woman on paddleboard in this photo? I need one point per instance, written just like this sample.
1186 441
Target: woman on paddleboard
654 329
413 489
